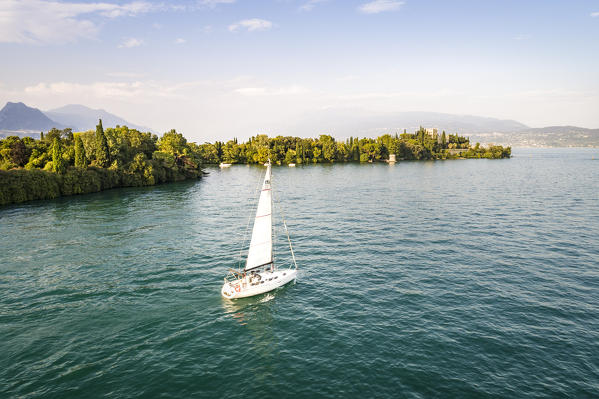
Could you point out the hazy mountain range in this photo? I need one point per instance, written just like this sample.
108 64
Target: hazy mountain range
17 117
82 118
551 136
343 123
21 120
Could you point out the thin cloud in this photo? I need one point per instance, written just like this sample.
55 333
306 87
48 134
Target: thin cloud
595 14
310 4
107 90
265 91
180 40
251 25
214 3
38 21
131 42
378 6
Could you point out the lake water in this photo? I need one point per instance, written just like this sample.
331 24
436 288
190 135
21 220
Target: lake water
462 278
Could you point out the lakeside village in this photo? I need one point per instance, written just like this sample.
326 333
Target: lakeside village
63 163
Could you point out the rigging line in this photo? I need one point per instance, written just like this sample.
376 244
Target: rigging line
287 231
273 231
256 199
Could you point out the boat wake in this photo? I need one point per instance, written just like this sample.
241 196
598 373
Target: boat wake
267 298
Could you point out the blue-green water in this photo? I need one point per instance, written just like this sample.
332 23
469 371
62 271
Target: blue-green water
469 278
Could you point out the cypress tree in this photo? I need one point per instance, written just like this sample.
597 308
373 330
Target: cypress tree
58 164
219 150
443 139
298 152
102 155
356 150
41 136
80 160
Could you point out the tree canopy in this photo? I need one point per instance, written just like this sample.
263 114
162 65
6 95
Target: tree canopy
68 163
64 163
420 145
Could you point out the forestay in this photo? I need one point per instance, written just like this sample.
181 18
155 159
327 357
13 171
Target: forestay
260 252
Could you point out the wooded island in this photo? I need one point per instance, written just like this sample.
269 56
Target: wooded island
64 163
424 144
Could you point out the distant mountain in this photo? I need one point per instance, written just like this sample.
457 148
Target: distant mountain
81 118
561 130
351 122
551 136
18 117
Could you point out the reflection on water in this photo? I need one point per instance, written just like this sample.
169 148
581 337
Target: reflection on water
255 314
248 310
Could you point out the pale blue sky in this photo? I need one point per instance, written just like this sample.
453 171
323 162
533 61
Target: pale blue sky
219 68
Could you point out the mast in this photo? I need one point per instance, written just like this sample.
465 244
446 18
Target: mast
260 252
272 210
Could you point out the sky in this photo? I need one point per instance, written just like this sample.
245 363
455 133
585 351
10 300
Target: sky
217 69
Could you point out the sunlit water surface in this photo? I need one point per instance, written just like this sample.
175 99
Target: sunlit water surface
465 278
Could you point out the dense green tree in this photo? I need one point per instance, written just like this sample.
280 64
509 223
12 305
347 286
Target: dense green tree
208 153
58 162
172 143
18 152
67 134
102 152
329 148
290 156
52 134
355 150
80 159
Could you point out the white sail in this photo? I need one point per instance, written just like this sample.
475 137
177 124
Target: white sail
260 252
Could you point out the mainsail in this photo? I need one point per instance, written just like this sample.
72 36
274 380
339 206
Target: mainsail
260 252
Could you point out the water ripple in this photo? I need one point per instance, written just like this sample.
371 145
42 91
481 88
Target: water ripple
439 279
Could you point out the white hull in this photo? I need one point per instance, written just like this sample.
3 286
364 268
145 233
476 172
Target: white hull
224 165
242 288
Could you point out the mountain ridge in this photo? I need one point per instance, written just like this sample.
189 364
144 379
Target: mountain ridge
549 136
81 118
19 119
16 116
355 122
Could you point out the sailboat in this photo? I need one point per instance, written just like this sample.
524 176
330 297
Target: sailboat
260 273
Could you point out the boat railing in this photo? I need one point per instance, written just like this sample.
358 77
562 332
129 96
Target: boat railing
233 277
285 265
